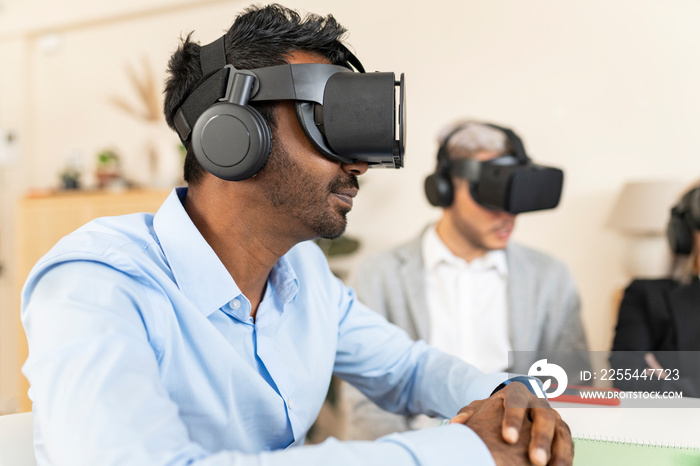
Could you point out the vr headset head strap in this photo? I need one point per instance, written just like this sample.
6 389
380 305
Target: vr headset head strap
351 59
212 85
212 56
684 219
516 144
443 155
216 83
689 208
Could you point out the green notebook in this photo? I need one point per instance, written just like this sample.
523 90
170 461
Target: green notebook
593 452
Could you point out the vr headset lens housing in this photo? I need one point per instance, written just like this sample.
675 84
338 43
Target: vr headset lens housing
506 184
358 119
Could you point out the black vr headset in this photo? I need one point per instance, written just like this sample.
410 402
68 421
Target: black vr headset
511 182
348 117
685 218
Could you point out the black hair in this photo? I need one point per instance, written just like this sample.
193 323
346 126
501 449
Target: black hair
261 36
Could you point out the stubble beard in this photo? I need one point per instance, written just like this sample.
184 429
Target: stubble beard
288 186
478 239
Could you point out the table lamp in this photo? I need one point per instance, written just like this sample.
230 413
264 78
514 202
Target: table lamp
641 213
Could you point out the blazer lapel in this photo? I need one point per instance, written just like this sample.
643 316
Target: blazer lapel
521 301
685 308
412 281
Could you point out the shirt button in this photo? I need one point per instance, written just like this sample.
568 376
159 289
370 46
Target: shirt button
290 403
235 304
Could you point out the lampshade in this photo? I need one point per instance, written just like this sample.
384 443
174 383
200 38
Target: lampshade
644 207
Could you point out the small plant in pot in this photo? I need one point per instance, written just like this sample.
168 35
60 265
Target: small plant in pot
108 170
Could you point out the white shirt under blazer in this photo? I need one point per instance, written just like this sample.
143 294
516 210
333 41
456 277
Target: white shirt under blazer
467 304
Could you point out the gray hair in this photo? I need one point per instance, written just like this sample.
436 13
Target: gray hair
473 137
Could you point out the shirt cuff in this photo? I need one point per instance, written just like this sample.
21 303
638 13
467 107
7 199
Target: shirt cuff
484 386
441 445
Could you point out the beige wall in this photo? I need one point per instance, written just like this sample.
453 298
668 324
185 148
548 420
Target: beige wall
607 90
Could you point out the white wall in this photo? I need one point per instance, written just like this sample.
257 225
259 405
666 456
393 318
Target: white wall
606 89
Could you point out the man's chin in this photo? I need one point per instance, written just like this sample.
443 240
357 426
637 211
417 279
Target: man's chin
498 243
334 229
334 234
501 236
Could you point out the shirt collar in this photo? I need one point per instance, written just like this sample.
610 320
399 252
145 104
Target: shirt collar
436 252
198 271
284 280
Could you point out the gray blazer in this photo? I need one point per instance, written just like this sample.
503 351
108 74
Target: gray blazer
544 314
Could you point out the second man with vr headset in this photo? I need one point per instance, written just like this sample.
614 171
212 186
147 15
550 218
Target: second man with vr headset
462 285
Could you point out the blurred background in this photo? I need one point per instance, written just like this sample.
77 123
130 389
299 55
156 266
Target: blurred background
605 89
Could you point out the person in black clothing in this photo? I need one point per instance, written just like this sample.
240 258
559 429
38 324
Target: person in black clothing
659 320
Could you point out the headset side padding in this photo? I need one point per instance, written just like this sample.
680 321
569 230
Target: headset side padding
439 190
680 235
231 141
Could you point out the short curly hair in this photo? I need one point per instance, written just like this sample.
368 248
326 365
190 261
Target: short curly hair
261 36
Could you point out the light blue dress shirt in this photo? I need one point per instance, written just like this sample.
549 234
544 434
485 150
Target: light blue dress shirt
142 351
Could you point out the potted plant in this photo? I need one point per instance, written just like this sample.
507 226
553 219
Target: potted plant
108 170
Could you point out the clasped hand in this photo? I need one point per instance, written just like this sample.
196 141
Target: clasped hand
519 428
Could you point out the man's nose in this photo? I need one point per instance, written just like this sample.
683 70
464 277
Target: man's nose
356 168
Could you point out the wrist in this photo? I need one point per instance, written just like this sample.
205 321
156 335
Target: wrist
525 380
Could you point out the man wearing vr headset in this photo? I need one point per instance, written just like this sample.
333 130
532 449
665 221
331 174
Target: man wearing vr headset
462 285
208 332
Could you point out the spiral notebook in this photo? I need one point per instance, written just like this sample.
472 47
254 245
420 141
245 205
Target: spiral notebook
601 452
631 435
